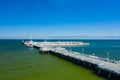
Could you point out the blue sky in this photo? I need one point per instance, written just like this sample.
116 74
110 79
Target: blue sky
45 18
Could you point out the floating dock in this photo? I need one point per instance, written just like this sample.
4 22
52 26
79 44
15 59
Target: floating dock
109 69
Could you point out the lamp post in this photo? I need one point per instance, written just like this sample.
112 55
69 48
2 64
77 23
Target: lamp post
93 56
70 49
108 55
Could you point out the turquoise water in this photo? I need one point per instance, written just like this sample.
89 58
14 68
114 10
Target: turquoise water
18 62
100 48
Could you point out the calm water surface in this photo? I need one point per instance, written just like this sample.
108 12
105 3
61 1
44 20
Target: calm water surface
18 62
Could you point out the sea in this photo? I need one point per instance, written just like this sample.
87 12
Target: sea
18 62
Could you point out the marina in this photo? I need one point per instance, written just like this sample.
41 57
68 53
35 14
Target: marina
102 66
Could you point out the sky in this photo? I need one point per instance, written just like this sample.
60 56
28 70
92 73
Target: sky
59 18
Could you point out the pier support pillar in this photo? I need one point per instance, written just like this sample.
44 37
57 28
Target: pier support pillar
89 65
99 71
109 75
83 62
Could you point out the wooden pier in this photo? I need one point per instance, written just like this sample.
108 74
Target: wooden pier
104 67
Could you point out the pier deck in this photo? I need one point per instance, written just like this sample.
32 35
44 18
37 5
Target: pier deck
112 67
